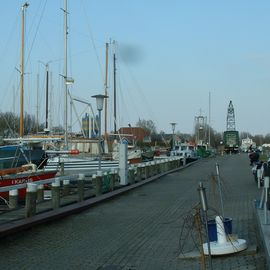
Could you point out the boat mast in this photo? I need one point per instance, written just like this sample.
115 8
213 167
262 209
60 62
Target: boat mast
25 5
37 100
106 89
209 119
114 89
65 75
47 97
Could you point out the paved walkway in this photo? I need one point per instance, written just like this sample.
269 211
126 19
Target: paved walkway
147 228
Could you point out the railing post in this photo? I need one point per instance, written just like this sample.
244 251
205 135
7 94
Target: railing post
30 200
13 199
147 170
184 161
178 162
165 165
80 185
131 175
97 180
62 168
154 164
112 179
66 187
56 194
40 193
158 166
139 173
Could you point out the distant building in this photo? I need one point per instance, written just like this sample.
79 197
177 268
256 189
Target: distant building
135 134
86 125
247 143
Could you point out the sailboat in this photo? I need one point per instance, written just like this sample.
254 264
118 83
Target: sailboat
18 157
71 163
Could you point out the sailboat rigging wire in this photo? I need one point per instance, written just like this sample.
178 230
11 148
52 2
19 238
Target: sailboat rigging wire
138 86
93 41
11 32
35 35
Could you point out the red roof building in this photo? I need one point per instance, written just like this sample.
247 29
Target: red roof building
136 134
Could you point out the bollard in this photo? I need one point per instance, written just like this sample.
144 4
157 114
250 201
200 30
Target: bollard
131 175
56 194
40 193
30 200
13 199
80 185
66 187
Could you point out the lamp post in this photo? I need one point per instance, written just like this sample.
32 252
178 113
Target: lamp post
100 100
173 129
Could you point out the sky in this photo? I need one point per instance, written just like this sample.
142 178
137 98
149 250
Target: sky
176 60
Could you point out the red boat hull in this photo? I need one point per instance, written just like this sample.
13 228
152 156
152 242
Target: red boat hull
17 179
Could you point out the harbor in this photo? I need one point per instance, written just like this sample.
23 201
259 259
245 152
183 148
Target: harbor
128 137
141 228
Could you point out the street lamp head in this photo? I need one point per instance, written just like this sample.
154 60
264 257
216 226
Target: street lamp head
69 80
100 100
173 125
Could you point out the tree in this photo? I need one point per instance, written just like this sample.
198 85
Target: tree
9 124
147 125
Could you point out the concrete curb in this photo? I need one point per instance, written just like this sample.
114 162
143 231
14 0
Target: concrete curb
264 232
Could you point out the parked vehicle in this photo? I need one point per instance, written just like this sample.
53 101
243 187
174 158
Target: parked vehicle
231 141
257 171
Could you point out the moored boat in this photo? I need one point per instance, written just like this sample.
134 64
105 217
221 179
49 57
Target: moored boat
22 175
16 155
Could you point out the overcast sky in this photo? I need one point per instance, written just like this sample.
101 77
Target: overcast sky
170 55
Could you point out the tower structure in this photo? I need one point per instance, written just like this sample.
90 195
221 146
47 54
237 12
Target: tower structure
230 118
231 135
200 129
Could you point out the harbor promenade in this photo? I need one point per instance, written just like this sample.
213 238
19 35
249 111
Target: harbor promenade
148 228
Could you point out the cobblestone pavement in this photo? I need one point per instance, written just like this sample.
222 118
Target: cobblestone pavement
146 228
